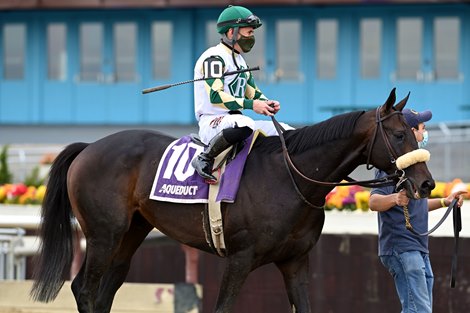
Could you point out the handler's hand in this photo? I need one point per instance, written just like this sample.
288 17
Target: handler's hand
401 198
266 107
455 195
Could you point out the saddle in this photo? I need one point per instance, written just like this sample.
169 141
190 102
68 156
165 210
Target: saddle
229 156
177 181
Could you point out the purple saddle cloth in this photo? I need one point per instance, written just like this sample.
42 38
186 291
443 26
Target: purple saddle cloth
177 181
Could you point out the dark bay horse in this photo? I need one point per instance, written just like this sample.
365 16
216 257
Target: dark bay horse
106 186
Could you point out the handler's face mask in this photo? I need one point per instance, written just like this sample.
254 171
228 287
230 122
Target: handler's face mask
246 42
422 144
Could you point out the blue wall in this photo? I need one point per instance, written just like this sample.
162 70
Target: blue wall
305 98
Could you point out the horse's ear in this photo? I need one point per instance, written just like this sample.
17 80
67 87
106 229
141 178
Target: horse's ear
400 105
390 101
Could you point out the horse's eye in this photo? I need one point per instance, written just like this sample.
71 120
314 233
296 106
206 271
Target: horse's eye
400 136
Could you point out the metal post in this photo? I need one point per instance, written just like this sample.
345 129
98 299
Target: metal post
2 260
12 267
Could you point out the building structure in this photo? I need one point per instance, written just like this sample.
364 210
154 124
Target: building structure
85 62
75 69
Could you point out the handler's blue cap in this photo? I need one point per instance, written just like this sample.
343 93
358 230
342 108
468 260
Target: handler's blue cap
414 118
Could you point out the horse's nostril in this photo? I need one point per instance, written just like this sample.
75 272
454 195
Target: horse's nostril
428 185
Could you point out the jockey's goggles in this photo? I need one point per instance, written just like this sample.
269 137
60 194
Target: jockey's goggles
251 20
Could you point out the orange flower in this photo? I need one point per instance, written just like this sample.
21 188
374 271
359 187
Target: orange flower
48 158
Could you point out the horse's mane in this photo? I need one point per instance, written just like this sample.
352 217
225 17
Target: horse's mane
298 140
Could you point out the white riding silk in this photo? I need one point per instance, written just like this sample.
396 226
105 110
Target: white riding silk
211 125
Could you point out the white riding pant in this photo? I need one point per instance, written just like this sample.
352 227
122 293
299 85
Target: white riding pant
211 125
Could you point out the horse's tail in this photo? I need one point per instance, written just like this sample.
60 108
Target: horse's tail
56 250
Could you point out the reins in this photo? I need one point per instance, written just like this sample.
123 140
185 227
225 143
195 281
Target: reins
384 181
379 182
410 227
457 219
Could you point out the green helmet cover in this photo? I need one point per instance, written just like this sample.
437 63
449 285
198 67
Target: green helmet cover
236 16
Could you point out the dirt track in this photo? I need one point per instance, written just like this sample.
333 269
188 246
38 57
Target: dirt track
130 298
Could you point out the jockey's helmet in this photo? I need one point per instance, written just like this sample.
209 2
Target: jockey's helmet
236 16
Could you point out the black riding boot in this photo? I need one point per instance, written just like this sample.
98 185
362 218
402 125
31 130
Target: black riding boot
204 162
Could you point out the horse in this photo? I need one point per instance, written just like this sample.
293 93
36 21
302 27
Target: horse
277 216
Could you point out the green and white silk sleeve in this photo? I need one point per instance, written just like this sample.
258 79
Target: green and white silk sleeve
216 92
218 97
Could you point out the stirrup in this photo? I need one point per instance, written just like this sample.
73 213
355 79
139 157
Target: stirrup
209 178
197 164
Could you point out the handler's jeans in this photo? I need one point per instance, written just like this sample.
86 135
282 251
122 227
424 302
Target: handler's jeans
414 279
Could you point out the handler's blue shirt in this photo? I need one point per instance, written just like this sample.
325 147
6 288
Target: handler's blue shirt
393 235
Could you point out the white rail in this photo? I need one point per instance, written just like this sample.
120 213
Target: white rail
22 159
12 263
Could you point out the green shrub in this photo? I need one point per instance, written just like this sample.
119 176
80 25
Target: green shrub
33 179
5 175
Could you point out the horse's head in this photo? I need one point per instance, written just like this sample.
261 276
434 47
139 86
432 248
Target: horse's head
393 148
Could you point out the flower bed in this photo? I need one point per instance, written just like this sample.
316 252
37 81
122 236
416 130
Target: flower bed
340 198
32 189
357 198
21 194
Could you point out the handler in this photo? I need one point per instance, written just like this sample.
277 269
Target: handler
219 100
404 254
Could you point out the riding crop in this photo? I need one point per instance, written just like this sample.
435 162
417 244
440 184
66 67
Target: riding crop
162 87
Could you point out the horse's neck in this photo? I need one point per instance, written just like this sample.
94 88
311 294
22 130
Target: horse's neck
329 163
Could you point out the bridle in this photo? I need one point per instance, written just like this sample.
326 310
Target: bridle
379 182
379 125
384 181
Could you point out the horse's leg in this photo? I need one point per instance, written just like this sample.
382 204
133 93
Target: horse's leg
116 274
86 283
295 273
78 280
237 269
102 244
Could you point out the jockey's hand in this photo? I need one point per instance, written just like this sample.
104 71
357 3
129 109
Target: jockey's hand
274 104
401 199
266 107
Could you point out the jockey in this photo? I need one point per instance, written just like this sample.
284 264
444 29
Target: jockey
219 100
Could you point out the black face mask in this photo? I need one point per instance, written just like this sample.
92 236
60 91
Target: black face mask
246 42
